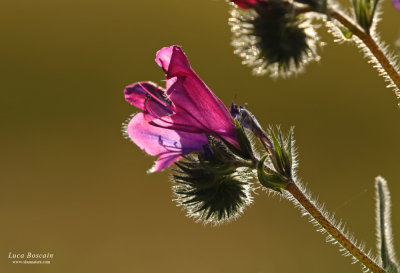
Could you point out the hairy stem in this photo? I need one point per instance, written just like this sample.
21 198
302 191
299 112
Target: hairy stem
331 228
369 42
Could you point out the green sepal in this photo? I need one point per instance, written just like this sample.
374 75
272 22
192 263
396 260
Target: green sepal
365 12
286 153
231 147
245 150
243 140
220 169
276 157
374 10
221 153
281 156
188 170
270 180
289 146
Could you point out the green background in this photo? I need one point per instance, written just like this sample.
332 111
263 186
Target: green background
73 186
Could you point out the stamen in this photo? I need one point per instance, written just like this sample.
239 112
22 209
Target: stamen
165 103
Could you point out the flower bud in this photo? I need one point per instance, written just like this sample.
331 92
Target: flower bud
213 189
364 11
272 39
281 164
248 121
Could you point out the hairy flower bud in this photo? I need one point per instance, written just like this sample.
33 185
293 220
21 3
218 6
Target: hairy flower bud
211 194
273 39
212 187
364 11
280 168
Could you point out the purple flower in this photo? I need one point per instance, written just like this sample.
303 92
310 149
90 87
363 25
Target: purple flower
175 121
396 4
246 4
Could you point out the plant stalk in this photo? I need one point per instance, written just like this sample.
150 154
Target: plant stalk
369 42
331 228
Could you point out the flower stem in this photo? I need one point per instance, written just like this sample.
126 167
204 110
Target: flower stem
370 43
332 229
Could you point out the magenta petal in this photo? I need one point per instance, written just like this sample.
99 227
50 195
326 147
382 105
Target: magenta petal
192 96
136 93
173 61
149 97
196 106
245 4
168 144
197 119
164 161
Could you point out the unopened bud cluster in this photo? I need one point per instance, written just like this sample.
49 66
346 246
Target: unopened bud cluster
273 38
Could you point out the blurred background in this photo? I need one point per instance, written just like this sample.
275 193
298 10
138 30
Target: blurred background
73 186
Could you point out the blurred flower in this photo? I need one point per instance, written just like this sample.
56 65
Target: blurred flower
396 4
273 38
175 121
246 4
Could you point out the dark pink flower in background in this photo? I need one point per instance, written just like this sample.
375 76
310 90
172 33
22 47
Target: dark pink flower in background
396 4
175 121
246 4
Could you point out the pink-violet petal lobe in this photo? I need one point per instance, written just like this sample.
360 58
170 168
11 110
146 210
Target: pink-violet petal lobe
172 60
136 93
164 161
149 97
168 144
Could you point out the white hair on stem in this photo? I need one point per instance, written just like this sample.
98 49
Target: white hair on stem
338 224
334 27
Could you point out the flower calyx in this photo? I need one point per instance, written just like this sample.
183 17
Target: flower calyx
211 190
277 172
246 151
